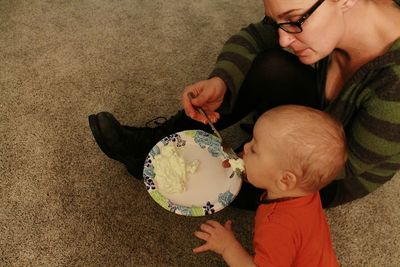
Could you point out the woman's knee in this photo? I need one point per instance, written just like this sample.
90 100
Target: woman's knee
278 77
279 64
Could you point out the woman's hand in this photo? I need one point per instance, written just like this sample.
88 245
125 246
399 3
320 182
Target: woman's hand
209 95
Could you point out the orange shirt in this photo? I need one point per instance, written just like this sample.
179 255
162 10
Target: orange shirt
293 232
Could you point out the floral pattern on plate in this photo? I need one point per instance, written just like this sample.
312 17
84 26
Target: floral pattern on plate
205 141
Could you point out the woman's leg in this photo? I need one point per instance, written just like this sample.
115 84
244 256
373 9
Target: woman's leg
275 78
130 145
328 194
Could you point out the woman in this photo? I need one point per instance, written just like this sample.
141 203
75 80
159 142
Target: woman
345 59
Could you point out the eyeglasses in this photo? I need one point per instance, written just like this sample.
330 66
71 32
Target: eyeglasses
293 26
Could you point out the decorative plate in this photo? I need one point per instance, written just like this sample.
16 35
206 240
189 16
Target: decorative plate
210 189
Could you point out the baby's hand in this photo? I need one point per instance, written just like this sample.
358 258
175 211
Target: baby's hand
218 238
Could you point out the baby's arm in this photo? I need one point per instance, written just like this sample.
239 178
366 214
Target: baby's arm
222 240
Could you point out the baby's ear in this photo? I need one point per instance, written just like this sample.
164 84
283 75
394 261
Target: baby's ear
287 181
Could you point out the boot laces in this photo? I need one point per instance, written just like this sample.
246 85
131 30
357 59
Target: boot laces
158 121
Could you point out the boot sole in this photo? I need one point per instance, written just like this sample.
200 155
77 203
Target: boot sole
98 137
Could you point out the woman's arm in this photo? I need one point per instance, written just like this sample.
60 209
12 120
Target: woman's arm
237 55
373 137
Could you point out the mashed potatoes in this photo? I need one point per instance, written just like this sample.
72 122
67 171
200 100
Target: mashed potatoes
237 164
171 170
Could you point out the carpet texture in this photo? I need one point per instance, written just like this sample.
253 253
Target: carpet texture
63 202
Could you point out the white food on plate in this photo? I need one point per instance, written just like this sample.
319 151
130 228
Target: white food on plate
171 170
237 164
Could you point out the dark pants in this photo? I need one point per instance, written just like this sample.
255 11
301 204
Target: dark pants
275 78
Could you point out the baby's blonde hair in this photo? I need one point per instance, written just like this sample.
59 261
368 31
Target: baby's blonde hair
312 142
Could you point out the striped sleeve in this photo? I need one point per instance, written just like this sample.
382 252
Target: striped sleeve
237 55
373 137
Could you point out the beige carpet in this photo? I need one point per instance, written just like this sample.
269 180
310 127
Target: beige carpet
62 202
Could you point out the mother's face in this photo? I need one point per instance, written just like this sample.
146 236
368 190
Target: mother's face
322 30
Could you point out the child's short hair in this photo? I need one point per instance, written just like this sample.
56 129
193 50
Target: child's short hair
315 145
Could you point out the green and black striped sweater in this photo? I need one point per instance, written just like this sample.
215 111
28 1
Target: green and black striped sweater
368 106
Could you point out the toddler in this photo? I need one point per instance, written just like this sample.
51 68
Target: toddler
295 151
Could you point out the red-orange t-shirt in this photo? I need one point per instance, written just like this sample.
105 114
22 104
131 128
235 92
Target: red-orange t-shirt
293 233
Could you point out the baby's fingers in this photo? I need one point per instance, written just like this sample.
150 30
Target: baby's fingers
214 117
207 227
202 248
201 235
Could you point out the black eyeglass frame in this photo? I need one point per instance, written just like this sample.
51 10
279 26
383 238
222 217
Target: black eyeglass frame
269 21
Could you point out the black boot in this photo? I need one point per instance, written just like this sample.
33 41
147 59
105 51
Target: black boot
130 145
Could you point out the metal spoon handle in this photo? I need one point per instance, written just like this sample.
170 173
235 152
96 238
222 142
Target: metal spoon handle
201 111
